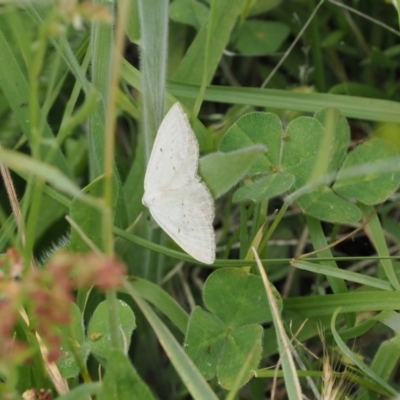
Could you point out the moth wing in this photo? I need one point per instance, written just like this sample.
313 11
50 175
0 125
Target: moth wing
174 158
187 215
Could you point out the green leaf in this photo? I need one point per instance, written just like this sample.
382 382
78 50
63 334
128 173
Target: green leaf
357 360
261 37
99 333
304 137
244 342
88 218
320 243
343 274
76 154
236 297
205 340
15 87
389 132
262 6
190 375
309 147
317 306
163 301
192 66
134 182
121 381
377 237
82 391
219 350
101 41
75 337
221 171
221 341
256 128
390 319
358 89
264 188
381 162
379 58
50 212
188 12
338 131
386 358
133 22
28 165
351 107
333 38
324 204
316 148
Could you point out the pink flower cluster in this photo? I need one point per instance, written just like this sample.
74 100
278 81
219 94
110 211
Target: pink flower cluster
48 293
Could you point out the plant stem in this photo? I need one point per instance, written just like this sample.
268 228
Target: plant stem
271 230
108 220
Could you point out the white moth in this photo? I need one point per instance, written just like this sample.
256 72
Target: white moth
177 200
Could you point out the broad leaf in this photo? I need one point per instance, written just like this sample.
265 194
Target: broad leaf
265 188
304 137
324 204
378 164
244 343
121 381
261 37
205 340
236 297
256 128
221 340
99 331
221 171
